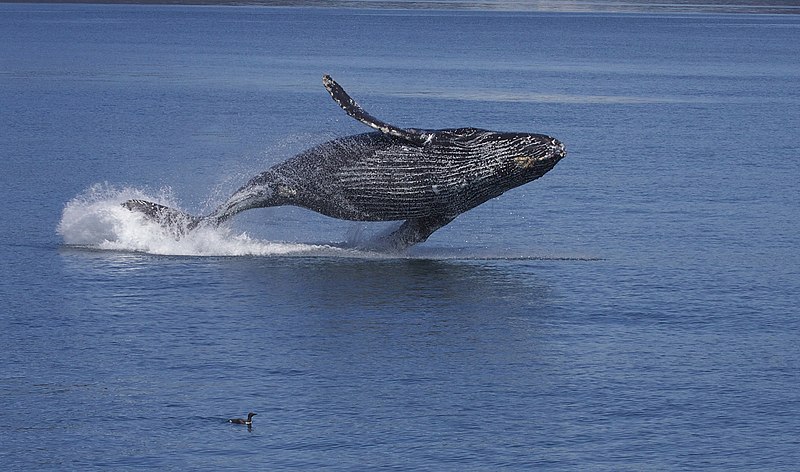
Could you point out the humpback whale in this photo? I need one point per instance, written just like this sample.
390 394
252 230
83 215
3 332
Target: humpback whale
422 177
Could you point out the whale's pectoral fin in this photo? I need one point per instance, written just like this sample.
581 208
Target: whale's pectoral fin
176 221
353 109
411 232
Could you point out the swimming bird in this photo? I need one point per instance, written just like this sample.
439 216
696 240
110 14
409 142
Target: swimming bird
248 421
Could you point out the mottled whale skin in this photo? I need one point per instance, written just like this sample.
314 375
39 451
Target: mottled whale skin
424 177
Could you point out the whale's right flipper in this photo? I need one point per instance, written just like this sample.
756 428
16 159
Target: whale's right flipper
353 109
178 222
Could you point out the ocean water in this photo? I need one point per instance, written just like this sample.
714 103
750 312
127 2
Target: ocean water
634 309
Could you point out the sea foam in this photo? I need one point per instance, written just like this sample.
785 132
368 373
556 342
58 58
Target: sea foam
96 219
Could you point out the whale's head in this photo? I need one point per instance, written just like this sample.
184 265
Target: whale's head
485 164
532 155
511 159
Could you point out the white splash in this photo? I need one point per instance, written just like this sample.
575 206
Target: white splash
97 220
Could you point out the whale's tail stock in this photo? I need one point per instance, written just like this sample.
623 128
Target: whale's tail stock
178 222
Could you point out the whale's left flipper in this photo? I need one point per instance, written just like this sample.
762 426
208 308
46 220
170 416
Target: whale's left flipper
411 232
176 221
353 109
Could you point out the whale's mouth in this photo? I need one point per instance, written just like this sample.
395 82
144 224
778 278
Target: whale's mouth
544 153
555 151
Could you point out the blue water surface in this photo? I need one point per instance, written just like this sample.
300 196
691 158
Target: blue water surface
634 309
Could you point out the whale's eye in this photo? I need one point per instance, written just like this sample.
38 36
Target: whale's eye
524 161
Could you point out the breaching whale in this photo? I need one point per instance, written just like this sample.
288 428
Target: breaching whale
422 177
